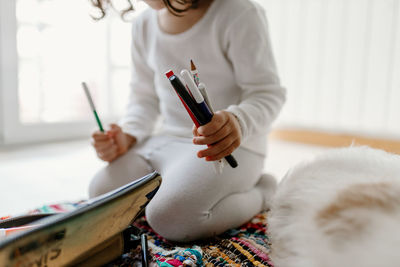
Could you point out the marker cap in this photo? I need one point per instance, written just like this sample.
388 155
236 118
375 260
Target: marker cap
169 73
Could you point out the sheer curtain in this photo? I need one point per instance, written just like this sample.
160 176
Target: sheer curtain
340 61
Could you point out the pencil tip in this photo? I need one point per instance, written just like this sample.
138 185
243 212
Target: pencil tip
192 66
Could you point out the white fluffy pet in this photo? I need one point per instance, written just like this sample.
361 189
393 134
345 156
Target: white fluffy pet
342 209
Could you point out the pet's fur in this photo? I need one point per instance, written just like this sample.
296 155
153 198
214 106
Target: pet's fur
340 209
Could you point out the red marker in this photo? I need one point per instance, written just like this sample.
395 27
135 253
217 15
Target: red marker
197 115
169 74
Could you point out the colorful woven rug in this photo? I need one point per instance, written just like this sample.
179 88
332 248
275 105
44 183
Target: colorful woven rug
54 208
247 245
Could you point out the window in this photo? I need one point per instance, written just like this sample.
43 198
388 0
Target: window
48 47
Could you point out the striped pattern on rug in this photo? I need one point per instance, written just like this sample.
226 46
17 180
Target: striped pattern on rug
247 245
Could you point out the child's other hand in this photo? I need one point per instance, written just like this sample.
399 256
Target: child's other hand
222 134
112 144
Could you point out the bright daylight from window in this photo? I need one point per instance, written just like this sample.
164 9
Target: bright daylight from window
59 46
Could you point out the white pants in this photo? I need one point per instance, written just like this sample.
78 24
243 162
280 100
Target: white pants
193 200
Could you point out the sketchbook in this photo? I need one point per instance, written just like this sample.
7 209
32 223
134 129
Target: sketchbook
66 239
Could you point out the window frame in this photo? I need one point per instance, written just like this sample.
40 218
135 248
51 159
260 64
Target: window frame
12 131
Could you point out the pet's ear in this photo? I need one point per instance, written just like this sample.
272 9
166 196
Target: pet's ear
348 215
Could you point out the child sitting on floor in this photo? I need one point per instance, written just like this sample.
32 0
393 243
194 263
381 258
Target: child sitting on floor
229 43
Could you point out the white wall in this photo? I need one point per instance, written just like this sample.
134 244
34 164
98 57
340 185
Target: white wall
340 60
8 68
1 101
2 23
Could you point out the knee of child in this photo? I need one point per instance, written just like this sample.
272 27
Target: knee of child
98 185
175 222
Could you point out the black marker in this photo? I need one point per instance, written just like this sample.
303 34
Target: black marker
144 252
197 114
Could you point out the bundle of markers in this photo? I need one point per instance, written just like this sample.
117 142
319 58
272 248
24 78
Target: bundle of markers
195 100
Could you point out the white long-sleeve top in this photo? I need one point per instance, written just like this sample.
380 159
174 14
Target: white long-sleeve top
231 49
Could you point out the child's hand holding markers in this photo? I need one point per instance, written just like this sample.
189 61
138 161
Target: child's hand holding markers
222 134
112 144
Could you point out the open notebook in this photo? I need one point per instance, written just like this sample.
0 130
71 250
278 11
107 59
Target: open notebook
69 239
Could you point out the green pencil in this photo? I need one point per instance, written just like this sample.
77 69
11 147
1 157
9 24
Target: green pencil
89 97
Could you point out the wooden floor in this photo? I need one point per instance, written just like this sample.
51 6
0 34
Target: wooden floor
57 172
32 176
334 140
